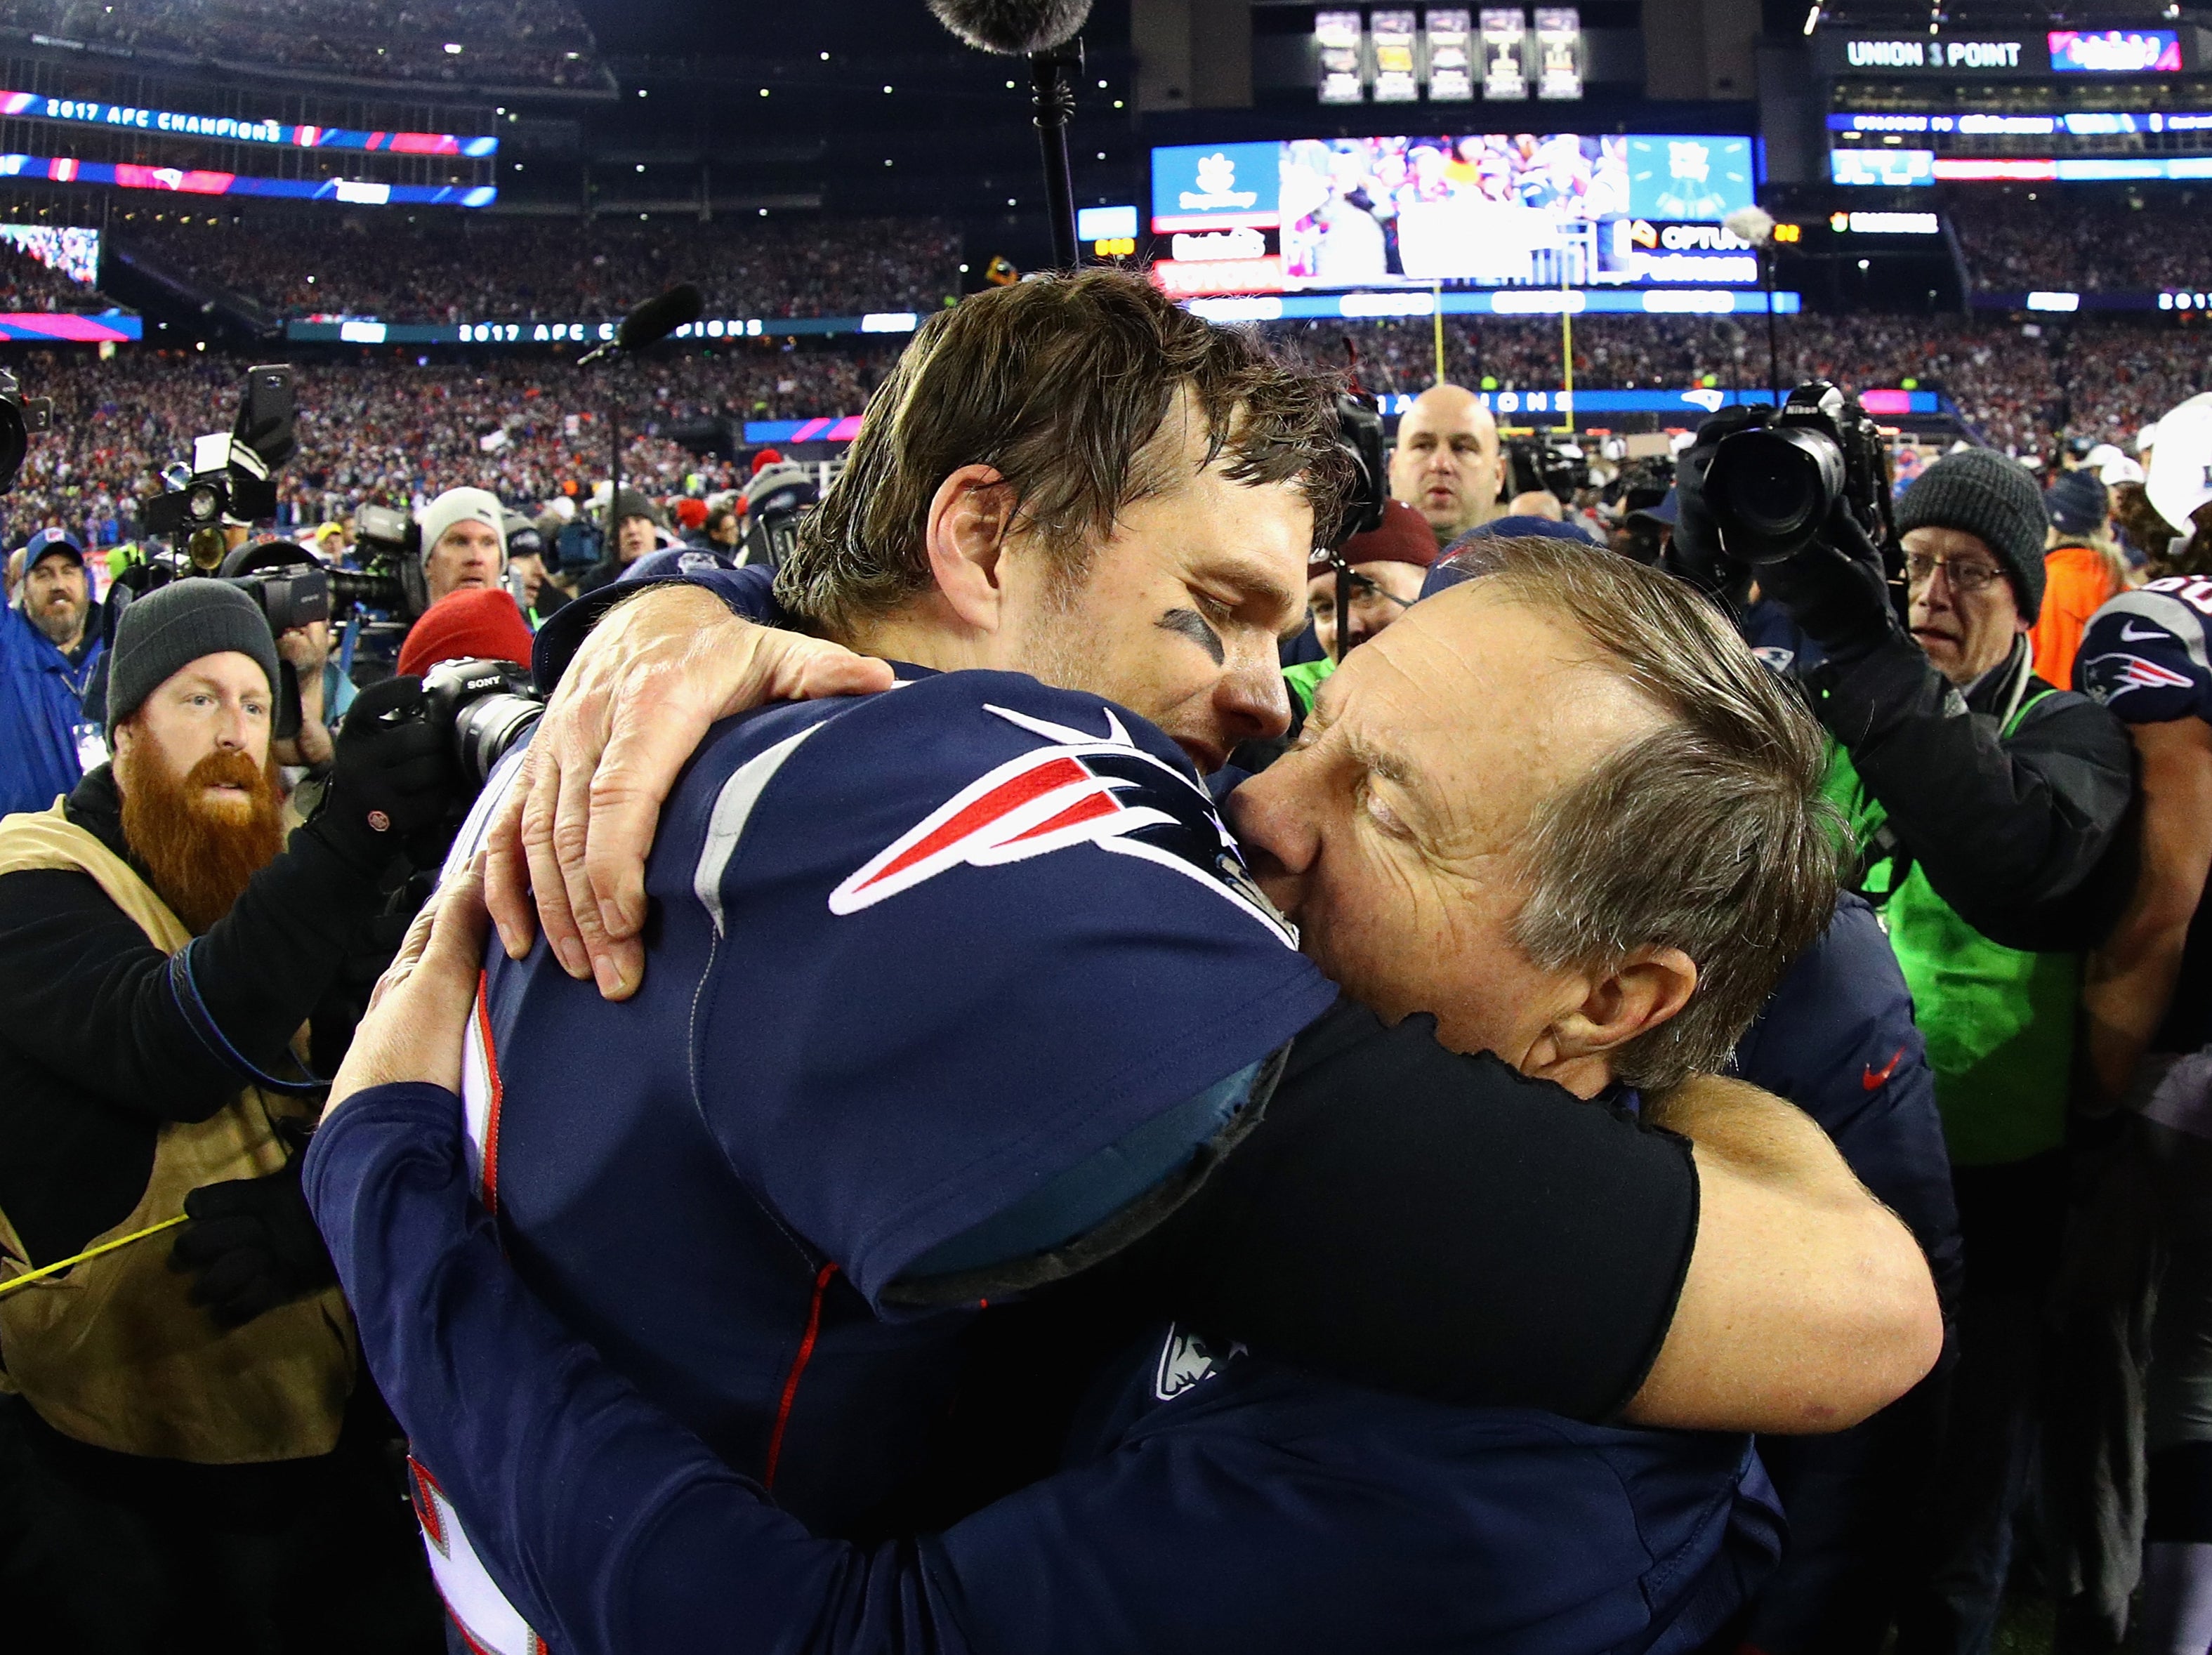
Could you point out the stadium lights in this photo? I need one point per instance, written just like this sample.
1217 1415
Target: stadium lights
452 48
1812 19
887 89
764 92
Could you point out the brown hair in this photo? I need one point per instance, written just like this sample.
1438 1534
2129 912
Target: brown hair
1060 384
1710 836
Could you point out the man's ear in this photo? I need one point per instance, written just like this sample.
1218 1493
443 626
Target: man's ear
1578 1047
965 533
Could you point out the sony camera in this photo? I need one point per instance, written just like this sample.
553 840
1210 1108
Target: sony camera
1771 488
487 705
22 418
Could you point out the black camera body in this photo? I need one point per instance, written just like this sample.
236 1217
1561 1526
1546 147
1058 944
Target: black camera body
22 418
1533 466
489 705
390 577
1359 434
776 499
1772 490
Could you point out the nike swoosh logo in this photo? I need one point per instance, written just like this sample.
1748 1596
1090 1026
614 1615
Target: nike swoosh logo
1874 1079
2130 635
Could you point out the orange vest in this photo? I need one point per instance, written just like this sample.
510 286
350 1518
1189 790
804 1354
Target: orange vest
2078 583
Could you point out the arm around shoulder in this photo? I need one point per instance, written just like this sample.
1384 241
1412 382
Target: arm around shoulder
1807 1305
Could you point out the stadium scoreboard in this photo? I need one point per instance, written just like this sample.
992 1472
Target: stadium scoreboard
2072 105
1551 210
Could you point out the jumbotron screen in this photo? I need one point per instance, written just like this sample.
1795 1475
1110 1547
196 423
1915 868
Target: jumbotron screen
1490 210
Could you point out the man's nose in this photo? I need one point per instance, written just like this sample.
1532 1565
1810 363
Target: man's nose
1250 698
1277 833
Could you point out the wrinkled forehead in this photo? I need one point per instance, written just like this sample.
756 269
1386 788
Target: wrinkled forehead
1479 688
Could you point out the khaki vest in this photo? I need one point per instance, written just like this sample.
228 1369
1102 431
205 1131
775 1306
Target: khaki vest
112 1352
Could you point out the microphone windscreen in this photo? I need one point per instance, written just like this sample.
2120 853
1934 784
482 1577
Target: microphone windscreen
660 316
1016 27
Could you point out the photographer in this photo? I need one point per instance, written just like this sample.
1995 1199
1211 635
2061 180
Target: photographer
326 693
637 524
191 1416
1987 804
49 646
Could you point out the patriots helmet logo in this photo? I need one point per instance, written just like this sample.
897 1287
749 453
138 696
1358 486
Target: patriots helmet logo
2108 677
1077 789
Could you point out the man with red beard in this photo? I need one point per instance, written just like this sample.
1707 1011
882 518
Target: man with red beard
195 1456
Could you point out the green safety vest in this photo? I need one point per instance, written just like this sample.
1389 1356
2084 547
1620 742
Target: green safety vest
1999 1022
1304 679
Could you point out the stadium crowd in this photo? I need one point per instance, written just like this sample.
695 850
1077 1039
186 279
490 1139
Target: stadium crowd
488 270
503 42
398 433
2079 240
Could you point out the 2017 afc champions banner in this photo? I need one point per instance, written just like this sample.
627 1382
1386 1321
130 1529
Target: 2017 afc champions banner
33 105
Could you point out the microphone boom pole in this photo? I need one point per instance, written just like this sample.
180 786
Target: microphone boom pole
645 324
1052 93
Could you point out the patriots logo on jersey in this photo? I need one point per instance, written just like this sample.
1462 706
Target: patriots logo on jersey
1077 789
2108 677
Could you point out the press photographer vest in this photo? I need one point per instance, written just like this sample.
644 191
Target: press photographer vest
1999 1021
112 1352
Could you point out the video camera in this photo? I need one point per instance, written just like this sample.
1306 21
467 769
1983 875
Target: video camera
1533 466
390 544
1771 487
22 418
776 498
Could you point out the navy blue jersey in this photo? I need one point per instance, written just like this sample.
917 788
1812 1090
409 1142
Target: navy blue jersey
1211 1504
949 991
2144 656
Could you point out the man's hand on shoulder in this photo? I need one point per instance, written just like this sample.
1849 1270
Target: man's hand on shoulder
568 845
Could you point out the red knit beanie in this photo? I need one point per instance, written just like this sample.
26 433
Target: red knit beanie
1404 538
474 623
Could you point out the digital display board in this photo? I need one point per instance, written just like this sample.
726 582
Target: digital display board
68 251
33 105
192 181
2115 52
2074 123
369 330
1492 210
70 327
1893 168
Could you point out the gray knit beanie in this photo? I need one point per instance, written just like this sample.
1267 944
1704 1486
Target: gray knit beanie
1979 492
170 627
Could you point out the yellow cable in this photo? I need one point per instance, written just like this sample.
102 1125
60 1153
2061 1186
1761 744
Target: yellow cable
10 1285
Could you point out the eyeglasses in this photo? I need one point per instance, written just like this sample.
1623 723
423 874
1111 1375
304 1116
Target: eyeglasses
1966 578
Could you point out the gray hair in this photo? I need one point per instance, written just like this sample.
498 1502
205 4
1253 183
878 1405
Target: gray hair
1710 836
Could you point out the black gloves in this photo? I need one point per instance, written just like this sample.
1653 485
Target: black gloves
393 774
1836 590
253 1245
1693 551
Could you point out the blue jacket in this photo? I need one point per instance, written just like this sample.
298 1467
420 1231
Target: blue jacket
41 709
1838 1040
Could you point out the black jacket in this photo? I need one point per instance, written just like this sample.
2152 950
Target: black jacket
95 1051
2028 837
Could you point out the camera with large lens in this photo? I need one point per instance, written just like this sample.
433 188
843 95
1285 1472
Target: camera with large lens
1772 488
487 705
1359 434
22 418
389 545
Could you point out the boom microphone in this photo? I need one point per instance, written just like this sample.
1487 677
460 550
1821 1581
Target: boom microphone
1014 28
651 322
1046 32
